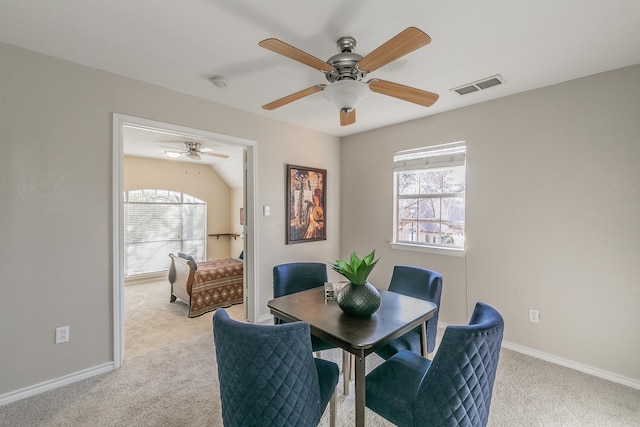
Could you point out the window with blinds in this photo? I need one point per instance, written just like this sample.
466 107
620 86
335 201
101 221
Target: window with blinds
429 193
160 222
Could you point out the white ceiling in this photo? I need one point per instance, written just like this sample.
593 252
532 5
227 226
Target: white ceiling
180 44
142 142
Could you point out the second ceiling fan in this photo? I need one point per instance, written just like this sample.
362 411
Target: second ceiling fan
194 151
346 70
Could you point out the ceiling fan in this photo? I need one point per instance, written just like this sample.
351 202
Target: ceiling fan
193 151
346 70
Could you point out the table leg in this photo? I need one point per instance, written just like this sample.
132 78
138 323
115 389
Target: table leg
346 371
423 340
360 391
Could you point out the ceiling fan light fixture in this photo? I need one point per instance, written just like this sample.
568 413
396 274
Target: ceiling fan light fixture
346 93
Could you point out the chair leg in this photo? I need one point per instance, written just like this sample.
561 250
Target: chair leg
352 366
332 410
423 340
346 371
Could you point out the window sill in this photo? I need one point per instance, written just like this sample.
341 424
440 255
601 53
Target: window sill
428 249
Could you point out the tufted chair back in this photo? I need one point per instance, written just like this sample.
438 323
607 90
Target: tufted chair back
420 283
459 383
452 390
298 276
268 375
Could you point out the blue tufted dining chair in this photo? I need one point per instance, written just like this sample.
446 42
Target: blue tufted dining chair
297 277
300 276
419 283
452 390
268 375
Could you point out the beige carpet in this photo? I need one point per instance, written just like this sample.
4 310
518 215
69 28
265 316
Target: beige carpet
151 321
175 384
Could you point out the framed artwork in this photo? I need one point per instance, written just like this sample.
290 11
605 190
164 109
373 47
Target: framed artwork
306 204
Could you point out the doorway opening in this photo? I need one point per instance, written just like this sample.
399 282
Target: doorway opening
121 124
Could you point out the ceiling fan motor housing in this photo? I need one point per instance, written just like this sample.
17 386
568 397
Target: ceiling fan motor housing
192 146
345 63
194 150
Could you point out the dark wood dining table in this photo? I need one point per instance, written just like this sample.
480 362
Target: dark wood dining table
397 315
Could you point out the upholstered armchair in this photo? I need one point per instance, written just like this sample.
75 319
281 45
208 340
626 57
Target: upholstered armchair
419 283
452 390
268 375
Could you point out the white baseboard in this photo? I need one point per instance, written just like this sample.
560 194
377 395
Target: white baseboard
266 319
590 370
596 372
145 278
23 393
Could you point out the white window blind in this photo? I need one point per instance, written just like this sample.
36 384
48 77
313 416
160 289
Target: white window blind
424 158
159 222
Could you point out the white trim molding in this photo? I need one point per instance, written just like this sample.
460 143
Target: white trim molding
250 230
265 319
23 393
428 249
589 370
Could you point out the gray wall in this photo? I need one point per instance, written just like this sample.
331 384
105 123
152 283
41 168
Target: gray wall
552 215
56 203
552 209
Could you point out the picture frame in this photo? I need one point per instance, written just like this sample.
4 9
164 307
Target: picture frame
306 197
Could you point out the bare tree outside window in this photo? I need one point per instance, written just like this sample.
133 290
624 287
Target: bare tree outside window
430 196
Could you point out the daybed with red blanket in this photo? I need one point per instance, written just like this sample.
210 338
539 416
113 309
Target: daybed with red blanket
206 285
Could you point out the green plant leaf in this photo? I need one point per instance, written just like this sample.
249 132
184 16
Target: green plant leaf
370 257
355 261
357 270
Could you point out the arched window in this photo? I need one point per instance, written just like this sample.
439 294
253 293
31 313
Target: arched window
160 222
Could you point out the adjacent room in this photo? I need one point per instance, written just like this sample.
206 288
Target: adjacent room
494 144
177 201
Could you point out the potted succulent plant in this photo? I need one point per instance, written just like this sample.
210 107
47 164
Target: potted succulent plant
360 298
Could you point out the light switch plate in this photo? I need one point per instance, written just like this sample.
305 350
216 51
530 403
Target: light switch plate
534 315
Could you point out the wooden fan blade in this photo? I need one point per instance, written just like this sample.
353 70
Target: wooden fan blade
208 153
296 54
347 117
400 45
293 97
406 93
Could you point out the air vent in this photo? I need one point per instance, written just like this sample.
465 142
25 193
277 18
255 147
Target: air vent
479 85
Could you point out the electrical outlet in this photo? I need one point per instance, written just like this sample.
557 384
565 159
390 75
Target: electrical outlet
62 334
534 315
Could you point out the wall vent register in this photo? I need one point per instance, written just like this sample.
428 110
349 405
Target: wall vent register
479 85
